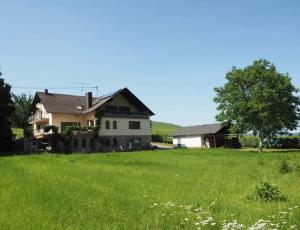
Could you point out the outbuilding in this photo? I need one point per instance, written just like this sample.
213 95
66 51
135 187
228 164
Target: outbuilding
203 136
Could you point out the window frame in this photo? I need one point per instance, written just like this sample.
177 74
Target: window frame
107 124
115 142
107 142
83 143
135 125
115 125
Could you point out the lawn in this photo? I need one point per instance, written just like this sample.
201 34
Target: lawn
174 189
163 128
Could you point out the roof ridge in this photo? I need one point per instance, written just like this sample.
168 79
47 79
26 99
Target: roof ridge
61 94
217 123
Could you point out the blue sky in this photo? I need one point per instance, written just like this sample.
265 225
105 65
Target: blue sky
171 54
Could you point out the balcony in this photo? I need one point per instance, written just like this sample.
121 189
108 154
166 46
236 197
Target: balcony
124 114
37 118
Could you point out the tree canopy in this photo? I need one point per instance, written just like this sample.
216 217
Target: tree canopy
6 110
258 99
22 105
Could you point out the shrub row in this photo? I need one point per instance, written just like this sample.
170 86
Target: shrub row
249 141
292 142
161 138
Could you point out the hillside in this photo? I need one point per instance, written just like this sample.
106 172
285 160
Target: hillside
18 132
163 128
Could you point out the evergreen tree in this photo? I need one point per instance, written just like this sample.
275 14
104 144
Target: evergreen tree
6 110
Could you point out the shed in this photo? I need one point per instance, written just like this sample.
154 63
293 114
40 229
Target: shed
201 136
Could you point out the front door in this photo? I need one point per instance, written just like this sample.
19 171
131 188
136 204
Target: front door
130 145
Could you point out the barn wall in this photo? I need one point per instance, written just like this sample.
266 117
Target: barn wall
188 142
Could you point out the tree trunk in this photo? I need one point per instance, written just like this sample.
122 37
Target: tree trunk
260 144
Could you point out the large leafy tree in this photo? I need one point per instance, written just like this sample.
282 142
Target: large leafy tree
6 110
22 110
258 99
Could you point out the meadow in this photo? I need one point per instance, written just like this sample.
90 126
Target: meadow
172 189
163 128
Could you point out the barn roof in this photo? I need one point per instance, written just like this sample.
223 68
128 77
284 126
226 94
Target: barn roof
199 130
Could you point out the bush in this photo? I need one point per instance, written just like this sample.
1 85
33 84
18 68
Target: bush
280 143
51 127
266 191
161 138
249 141
289 142
285 167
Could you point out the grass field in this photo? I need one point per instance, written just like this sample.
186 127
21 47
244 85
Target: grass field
163 128
176 189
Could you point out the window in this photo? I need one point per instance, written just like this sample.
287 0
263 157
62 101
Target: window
64 125
91 143
115 142
83 143
90 123
134 125
111 108
40 114
107 125
75 143
124 109
107 142
115 126
137 142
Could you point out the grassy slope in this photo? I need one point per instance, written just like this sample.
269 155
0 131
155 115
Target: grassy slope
163 128
116 191
19 133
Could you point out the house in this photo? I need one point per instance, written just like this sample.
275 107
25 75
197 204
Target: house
203 136
123 120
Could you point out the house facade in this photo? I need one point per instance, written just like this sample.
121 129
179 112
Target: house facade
123 120
204 136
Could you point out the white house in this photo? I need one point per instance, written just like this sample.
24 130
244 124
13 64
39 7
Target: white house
200 136
124 120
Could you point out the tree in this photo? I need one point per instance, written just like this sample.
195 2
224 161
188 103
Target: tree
22 105
258 99
6 110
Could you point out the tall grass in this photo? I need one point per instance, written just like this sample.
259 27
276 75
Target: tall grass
143 190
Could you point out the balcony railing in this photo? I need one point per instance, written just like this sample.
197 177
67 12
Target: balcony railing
36 117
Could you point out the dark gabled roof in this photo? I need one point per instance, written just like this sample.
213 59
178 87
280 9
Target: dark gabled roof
199 130
62 103
125 93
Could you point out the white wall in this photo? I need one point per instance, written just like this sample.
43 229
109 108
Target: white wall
123 127
188 142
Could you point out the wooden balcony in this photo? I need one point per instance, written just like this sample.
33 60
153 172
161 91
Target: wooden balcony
124 114
37 118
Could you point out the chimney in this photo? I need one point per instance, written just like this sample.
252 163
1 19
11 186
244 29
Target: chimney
88 100
46 91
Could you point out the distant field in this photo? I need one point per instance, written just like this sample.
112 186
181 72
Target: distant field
163 128
172 189
19 133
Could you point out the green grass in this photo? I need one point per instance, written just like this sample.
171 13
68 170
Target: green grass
143 190
163 128
18 132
